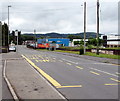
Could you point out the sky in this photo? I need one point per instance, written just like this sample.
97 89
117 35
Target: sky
62 16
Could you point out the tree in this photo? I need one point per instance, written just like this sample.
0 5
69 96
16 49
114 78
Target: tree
26 37
4 34
93 41
76 42
82 42
71 37
41 37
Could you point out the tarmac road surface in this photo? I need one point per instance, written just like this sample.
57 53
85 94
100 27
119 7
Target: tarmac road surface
74 77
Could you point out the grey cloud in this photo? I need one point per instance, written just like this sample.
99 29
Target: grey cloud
58 16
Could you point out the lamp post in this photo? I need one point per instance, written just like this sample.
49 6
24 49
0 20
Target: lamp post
84 50
8 23
84 27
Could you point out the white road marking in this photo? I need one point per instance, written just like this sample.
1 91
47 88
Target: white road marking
70 61
104 72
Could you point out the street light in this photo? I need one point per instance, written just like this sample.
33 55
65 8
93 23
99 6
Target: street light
8 23
84 27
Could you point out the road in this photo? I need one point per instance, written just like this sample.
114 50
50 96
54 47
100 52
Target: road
75 78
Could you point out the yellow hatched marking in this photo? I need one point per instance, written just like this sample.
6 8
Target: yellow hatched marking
79 67
111 84
69 86
49 78
69 63
36 60
94 73
47 60
40 60
114 79
44 60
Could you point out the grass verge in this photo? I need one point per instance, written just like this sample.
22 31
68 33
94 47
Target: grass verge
87 53
103 55
92 54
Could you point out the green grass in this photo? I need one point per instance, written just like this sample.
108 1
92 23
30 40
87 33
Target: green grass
92 54
73 52
42 49
103 55
87 53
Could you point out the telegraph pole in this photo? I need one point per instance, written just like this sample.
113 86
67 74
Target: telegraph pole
84 27
97 27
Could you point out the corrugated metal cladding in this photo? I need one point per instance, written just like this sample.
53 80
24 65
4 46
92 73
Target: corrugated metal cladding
65 42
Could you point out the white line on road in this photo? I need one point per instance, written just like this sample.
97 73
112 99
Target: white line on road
70 61
104 72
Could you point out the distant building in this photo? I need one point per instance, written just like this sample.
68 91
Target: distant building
72 43
111 40
58 41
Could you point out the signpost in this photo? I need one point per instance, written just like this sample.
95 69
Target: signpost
16 34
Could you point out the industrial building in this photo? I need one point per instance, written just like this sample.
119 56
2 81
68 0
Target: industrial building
58 42
111 40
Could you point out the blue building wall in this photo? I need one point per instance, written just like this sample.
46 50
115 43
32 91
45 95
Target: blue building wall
65 42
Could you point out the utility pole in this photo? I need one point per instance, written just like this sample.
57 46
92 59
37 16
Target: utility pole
8 23
97 52
35 37
84 27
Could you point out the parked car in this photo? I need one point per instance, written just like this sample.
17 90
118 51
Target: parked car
12 48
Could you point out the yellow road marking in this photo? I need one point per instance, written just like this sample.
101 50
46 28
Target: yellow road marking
94 73
49 78
69 86
47 60
79 67
69 63
114 80
44 60
36 60
40 60
110 84
116 64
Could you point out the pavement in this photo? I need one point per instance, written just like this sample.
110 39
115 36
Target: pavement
26 81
